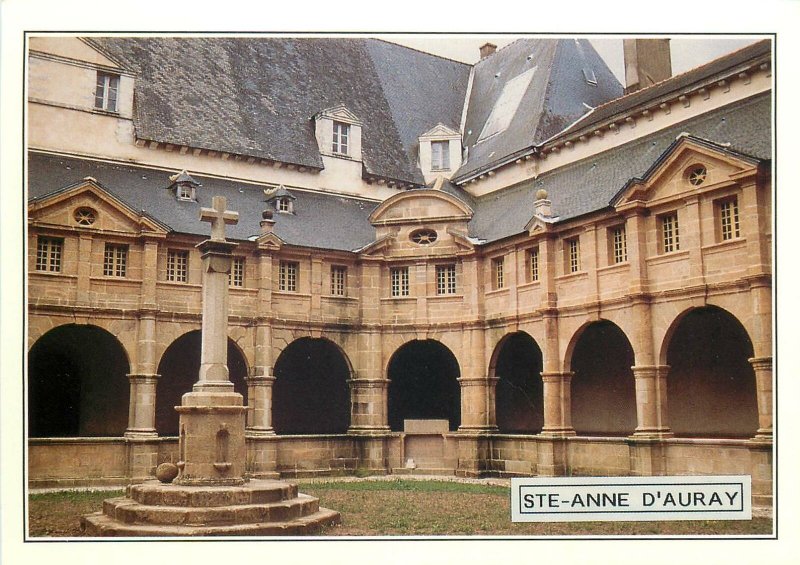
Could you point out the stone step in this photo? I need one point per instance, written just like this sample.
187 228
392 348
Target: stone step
154 493
98 524
129 511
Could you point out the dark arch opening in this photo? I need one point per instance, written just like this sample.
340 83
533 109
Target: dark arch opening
424 385
603 388
77 384
179 369
519 394
711 385
311 394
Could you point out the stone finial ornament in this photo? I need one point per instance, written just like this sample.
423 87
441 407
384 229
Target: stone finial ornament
166 472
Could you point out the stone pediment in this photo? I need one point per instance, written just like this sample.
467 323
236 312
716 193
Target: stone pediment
416 206
88 205
689 166
339 113
72 48
440 131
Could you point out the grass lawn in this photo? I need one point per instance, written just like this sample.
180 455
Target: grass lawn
406 508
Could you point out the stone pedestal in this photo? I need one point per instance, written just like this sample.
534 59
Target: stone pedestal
212 444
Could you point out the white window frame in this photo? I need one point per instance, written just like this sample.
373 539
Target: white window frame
341 138
236 276
399 277
115 260
533 264
338 280
177 265
573 249
446 279
440 155
670 232
106 95
619 244
49 252
287 276
498 273
729 227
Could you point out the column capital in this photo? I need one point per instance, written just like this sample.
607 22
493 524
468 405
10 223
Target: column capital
555 376
143 378
761 363
259 380
368 383
477 381
647 371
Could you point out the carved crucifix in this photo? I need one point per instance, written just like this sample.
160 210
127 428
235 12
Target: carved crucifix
218 216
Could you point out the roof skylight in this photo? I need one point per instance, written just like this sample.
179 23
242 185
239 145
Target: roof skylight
507 104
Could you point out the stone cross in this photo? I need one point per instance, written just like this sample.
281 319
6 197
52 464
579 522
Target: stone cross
218 216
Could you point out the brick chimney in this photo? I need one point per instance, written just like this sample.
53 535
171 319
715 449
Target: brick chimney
487 49
647 61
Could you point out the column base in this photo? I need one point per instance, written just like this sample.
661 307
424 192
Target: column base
259 432
557 432
652 434
140 433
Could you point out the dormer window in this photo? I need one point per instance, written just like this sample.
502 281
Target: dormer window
184 186
105 97
341 138
440 155
338 133
282 199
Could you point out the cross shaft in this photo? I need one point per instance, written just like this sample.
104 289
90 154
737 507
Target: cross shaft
218 216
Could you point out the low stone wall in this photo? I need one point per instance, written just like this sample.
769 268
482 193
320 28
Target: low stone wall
513 455
315 455
598 456
73 462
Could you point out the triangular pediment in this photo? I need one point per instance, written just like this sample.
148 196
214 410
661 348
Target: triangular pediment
88 205
440 131
414 206
73 48
690 165
269 241
380 245
339 113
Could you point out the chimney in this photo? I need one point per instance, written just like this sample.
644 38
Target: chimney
647 61
267 223
487 49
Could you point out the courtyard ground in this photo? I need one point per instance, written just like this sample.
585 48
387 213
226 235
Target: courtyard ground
395 507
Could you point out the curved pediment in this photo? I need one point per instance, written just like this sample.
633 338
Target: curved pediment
415 206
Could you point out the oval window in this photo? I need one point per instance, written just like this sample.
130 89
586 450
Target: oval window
85 216
697 175
423 237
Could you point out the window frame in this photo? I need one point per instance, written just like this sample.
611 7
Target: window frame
115 260
446 284
338 280
49 254
236 276
288 276
669 232
440 161
572 255
734 227
399 282
340 141
617 244
177 265
532 258
105 84
498 272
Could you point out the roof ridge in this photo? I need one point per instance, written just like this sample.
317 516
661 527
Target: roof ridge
380 39
683 74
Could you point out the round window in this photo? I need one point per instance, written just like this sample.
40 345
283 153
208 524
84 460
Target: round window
697 175
423 237
85 216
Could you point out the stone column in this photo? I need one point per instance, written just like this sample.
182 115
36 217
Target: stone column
651 400
368 407
557 404
477 404
142 404
763 370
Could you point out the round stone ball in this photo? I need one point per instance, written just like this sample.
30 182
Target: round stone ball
541 194
166 472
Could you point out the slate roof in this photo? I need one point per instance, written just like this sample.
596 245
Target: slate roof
256 96
676 85
589 185
557 96
322 221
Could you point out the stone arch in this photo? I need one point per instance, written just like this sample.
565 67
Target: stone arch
179 368
711 387
519 397
311 394
423 384
77 383
603 389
